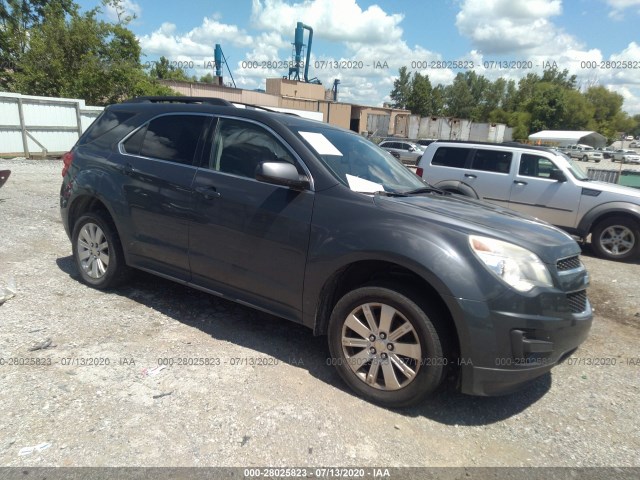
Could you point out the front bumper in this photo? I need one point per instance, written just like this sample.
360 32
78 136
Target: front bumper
511 349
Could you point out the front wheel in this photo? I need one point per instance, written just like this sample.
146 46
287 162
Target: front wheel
386 346
585 159
97 252
616 238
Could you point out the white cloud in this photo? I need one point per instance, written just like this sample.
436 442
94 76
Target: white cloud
336 20
199 42
129 9
512 26
618 7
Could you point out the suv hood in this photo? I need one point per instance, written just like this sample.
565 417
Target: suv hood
477 217
619 192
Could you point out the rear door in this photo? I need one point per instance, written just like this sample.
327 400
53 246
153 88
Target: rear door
158 166
536 194
249 239
489 175
447 166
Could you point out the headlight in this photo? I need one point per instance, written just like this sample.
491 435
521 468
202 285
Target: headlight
516 266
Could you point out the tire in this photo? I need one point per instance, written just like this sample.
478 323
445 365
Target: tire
585 158
616 238
97 252
383 375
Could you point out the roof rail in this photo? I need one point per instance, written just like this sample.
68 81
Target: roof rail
177 99
249 106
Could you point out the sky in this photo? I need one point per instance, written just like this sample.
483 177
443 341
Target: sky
598 40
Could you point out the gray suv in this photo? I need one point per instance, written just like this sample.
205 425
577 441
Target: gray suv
542 183
318 225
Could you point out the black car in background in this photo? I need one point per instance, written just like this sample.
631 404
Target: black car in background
318 225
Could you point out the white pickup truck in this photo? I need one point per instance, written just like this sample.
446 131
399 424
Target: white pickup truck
584 153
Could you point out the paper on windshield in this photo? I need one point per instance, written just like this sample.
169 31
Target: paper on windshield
358 184
320 143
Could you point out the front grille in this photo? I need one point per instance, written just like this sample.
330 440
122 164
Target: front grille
577 301
569 263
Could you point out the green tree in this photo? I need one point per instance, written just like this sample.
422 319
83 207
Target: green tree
79 56
401 89
163 70
560 78
208 78
17 19
419 101
459 99
437 100
578 112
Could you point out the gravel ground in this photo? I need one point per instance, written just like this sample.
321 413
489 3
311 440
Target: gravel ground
289 408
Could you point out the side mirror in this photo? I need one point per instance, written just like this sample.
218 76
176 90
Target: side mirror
556 174
411 149
281 173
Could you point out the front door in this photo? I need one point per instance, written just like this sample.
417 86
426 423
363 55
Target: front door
249 239
534 193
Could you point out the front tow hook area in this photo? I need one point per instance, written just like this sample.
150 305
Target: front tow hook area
521 345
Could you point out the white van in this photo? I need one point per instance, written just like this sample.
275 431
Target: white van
542 183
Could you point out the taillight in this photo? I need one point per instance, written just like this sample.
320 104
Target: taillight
67 160
419 172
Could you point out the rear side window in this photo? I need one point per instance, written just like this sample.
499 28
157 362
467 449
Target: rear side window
451 157
492 161
171 137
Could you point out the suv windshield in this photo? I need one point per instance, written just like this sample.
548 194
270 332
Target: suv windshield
358 163
574 168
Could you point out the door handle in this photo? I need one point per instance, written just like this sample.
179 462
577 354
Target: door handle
127 169
208 193
520 182
470 175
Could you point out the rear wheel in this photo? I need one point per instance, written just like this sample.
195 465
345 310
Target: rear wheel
385 345
97 252
616 238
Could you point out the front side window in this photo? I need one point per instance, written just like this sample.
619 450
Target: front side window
536 166
171 137
240 147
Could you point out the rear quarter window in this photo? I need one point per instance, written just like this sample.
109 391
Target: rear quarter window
451 157
108 128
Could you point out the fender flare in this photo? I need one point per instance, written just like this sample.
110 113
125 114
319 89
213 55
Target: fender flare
611 208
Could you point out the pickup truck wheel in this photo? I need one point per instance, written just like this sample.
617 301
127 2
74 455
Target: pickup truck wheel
97 252
616 238
385 345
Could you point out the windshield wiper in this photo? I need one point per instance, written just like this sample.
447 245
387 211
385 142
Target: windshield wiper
428 189
416 191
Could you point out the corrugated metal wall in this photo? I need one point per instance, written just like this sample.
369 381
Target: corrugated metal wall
31 125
